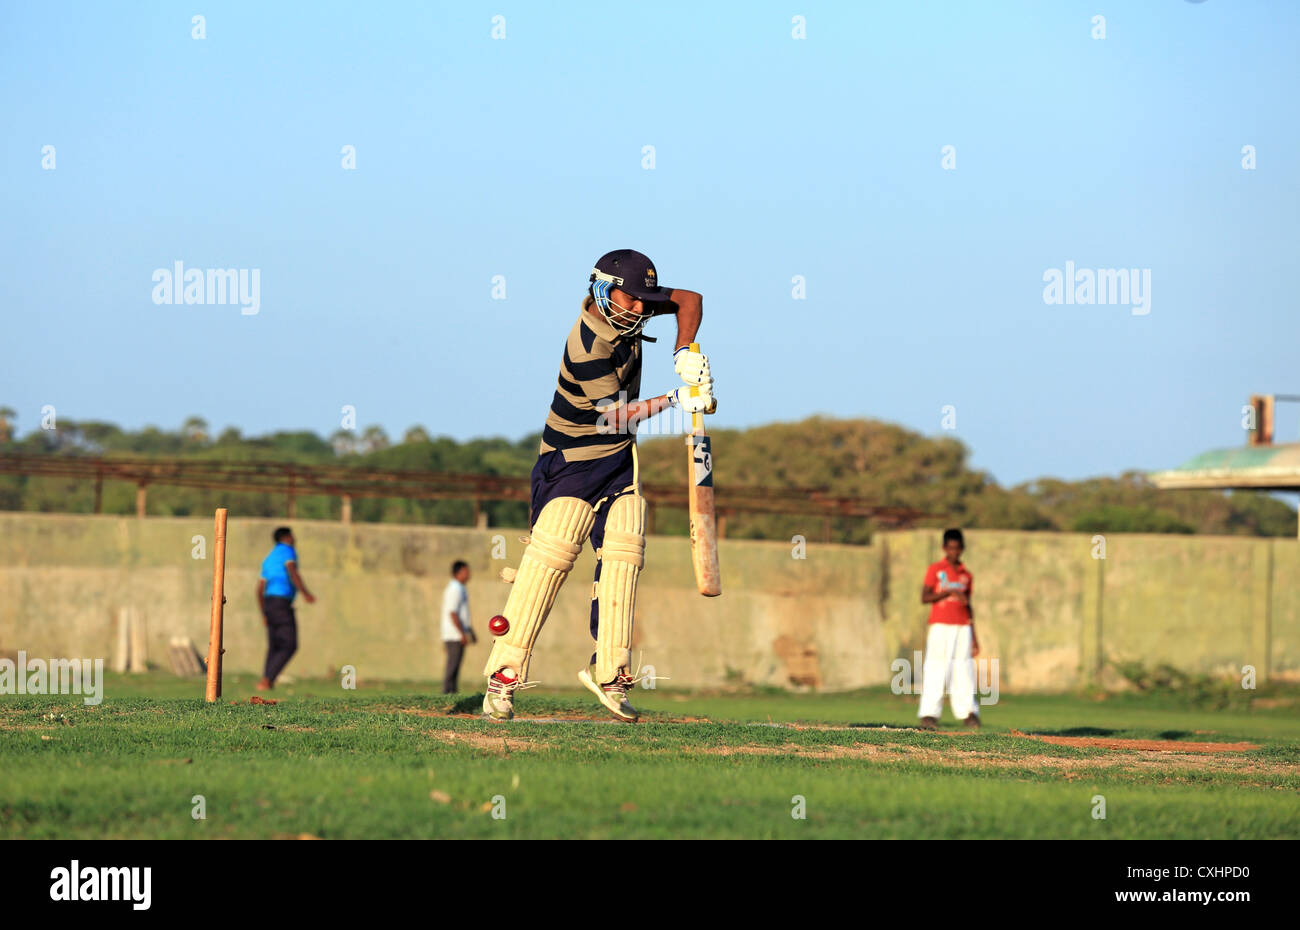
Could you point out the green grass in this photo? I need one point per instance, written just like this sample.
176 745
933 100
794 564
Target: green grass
395 760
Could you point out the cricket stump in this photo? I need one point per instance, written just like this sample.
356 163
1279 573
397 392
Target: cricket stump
218 608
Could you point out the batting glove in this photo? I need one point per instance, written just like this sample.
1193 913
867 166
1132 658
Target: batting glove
693 398
693 367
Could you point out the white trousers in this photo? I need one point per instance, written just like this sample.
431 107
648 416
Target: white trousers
948 668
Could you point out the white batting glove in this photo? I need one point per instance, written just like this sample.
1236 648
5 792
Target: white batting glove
693 367
693 399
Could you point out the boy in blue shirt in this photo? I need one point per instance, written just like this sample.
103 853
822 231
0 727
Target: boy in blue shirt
276 588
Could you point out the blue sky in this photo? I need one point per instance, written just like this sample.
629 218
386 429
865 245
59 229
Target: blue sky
774 157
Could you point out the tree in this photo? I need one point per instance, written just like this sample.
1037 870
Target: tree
344 442
195 429
374 439
7 417
416 433
99 437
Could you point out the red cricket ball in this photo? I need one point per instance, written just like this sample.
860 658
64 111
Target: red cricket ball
499 625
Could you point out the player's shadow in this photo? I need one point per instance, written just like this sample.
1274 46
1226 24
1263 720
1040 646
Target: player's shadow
472 704
1077 731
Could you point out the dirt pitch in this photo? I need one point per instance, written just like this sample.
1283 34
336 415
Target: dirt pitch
1148 745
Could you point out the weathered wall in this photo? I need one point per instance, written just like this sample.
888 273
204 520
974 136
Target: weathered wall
1045 607
63 579
1284 632
1202 601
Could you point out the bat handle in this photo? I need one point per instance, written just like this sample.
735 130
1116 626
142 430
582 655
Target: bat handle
697 419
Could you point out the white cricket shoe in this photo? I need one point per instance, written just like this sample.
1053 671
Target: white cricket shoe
612 695
499 700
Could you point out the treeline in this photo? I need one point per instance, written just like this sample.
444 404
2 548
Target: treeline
369 448
880 462
889 465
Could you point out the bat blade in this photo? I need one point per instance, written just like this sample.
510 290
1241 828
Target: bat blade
704 523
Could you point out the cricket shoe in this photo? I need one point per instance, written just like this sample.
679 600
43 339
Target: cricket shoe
612 695
499 700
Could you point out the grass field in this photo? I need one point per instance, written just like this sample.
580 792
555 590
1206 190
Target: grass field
396 760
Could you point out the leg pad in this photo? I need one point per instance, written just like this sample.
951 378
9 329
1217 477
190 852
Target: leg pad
622 556
557 538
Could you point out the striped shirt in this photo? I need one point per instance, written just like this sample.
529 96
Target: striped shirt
600 367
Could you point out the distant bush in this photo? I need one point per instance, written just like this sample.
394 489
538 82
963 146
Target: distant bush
1129 520
1197 690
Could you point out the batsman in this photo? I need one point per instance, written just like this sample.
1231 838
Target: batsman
585 485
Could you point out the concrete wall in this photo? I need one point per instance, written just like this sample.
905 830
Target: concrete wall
1047 608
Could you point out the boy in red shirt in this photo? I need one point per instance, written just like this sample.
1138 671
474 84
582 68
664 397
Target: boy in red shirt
951 645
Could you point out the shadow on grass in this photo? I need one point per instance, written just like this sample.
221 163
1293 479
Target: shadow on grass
1077 731
471 704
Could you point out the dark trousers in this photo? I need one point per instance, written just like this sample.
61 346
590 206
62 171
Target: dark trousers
450 674
592 480
281 635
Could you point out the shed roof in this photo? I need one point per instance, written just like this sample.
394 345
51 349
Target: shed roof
1275 466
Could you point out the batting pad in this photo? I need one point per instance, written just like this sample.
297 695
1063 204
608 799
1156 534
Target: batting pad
621 559
558 536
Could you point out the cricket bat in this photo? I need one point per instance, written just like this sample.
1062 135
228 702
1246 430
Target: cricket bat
699 488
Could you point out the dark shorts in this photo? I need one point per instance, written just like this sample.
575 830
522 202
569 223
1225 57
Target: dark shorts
589 481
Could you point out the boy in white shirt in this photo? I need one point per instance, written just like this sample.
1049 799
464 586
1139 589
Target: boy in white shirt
456 631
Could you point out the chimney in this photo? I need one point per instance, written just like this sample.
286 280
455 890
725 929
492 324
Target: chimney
1262 434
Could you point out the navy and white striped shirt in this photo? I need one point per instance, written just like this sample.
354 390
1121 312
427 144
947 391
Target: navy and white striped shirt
600 367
